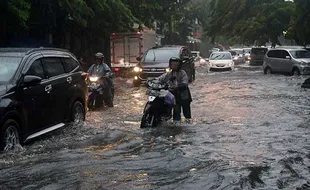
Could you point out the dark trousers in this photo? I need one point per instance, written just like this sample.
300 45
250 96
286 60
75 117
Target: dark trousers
186 107
108 89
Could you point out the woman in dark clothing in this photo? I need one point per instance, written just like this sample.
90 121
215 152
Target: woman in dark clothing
177 80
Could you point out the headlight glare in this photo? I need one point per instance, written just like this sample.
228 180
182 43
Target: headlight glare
137 69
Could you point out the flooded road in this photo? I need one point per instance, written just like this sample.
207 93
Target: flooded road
249 131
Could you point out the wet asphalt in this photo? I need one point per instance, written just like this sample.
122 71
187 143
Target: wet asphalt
249 131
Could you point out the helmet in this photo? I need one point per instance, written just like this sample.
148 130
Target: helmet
175 59
99 55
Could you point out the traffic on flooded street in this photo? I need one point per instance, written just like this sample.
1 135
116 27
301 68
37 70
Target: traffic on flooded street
154 94
248 131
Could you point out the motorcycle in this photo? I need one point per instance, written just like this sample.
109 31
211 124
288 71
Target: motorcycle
159 106
95 92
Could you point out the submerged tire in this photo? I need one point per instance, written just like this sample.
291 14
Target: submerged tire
295 72
148 120
9 135
267 71
77 113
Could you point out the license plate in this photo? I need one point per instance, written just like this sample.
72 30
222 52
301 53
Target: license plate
152 98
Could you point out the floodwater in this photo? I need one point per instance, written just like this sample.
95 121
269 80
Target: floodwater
249 131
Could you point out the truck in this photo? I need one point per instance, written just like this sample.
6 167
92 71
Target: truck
126 47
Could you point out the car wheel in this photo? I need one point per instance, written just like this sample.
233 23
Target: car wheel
267 71
10 136
78 113
295 72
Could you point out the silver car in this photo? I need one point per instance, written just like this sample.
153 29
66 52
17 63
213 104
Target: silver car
293 61
238 55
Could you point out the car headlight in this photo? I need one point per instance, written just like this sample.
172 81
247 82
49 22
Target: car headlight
168 70
137 69
303 63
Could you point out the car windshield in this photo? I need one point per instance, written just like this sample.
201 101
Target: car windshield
259 51
220 56
238 51
247 50
8 67
233 53
161 55
300 54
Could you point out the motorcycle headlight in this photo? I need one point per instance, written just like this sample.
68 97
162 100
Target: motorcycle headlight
137 69
93 79
235 58
168 70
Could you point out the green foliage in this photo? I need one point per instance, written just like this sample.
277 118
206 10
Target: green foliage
17 8
299 27
20 8
249 22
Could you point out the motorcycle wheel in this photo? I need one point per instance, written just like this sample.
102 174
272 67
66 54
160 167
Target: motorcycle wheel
148 120
91 103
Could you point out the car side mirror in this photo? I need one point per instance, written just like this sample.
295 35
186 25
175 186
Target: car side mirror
138 58
31 80
287 57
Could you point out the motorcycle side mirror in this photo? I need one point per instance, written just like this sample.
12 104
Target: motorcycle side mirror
138 58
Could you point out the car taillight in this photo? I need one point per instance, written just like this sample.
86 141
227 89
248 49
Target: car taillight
116 70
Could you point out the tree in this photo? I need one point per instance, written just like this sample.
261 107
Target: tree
84 26
249 22
14 15
299 27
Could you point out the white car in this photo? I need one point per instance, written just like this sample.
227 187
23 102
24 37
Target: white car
221 60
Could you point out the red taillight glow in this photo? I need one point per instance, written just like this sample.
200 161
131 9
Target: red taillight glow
116 70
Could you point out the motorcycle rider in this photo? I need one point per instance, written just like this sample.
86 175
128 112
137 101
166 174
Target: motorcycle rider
101 69
177 80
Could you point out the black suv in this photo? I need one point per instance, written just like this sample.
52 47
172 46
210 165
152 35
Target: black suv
40 90
155 62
